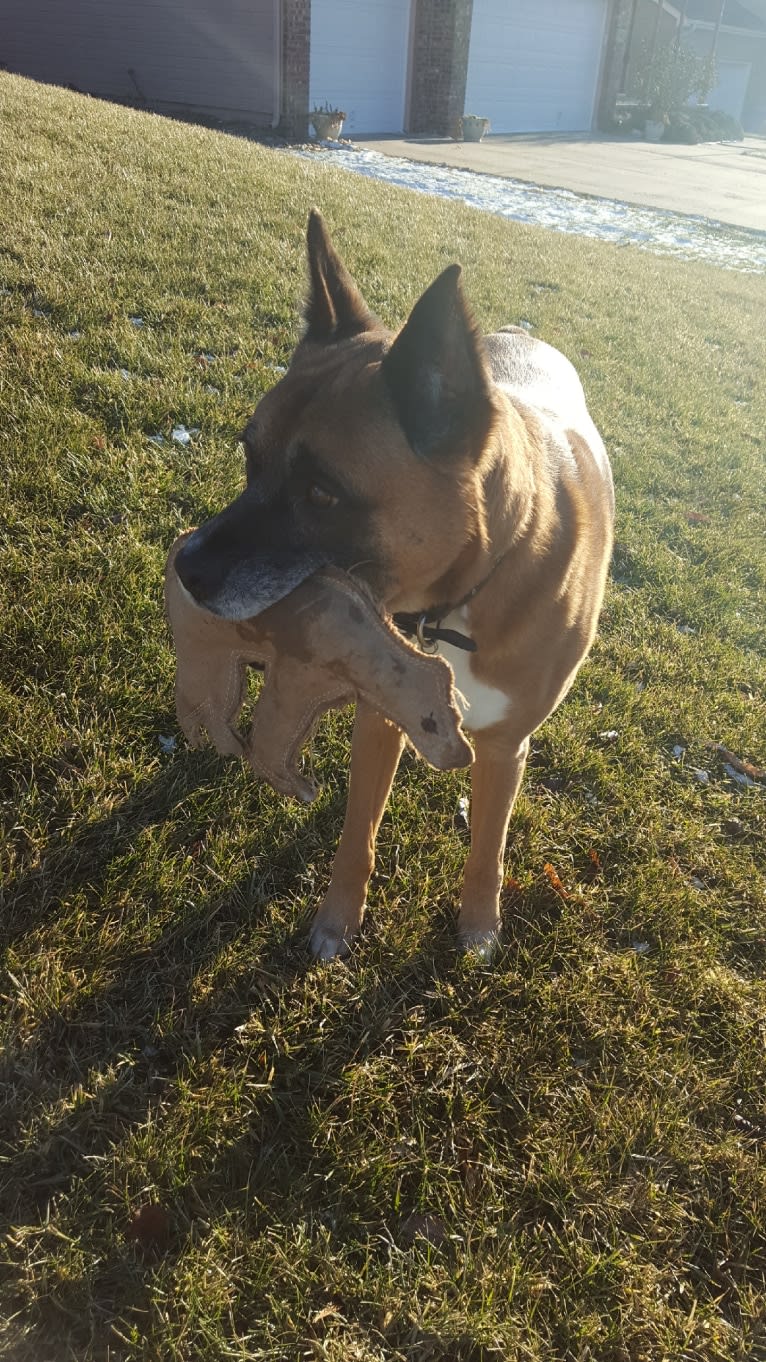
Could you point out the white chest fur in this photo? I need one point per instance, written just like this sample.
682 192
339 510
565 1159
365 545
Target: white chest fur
480 705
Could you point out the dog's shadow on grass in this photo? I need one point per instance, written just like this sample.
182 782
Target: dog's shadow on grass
96 1073
100 1062
100 1022
81 857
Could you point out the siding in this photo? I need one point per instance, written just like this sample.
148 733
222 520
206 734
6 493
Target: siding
212 56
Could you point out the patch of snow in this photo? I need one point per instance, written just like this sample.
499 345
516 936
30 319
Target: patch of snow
678 751
741 777
137 322
157 439
182 436
624 224
167 744
702 776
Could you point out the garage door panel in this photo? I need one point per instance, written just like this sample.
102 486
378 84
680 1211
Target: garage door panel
534 68
359 51
730 90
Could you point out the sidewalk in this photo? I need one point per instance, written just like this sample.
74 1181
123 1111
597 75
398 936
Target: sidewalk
722 181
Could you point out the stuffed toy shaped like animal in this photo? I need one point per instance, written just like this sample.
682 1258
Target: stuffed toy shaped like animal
320 647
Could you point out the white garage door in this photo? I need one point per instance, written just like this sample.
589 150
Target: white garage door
731 87
359 52
533 65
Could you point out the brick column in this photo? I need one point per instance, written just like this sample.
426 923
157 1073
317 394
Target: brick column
618 36
441 37
296 44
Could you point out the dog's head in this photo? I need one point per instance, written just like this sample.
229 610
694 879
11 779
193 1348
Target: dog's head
365 455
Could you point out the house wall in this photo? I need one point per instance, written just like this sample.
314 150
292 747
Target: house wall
739 47
733 47
179 54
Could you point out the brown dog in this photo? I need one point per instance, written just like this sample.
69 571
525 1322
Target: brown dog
464 481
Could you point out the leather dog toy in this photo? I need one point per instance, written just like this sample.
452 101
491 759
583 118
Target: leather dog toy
322 646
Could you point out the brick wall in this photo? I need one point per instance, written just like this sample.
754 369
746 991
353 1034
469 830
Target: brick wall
296 44
441 36
620 33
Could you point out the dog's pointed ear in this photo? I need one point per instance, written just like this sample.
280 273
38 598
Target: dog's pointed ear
335 308
437 374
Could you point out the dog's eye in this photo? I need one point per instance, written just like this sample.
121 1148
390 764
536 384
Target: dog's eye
320 498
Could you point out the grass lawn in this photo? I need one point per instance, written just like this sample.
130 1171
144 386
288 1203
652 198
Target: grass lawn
409 1156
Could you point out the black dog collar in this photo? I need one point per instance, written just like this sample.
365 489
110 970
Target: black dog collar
426 628
425 625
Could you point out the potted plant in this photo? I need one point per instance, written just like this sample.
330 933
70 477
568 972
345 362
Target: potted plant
327 122
654 126
474 127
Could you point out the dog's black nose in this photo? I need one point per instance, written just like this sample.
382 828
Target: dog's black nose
198 570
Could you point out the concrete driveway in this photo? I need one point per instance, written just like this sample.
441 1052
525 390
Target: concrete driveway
725 181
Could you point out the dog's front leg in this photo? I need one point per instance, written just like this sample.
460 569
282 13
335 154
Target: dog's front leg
495 779
375 750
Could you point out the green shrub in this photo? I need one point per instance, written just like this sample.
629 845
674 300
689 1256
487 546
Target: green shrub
669 77
702 125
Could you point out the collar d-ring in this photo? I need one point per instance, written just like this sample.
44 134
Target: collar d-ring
426 645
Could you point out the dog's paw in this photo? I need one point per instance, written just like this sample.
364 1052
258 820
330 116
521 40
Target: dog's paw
329 942
482 946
